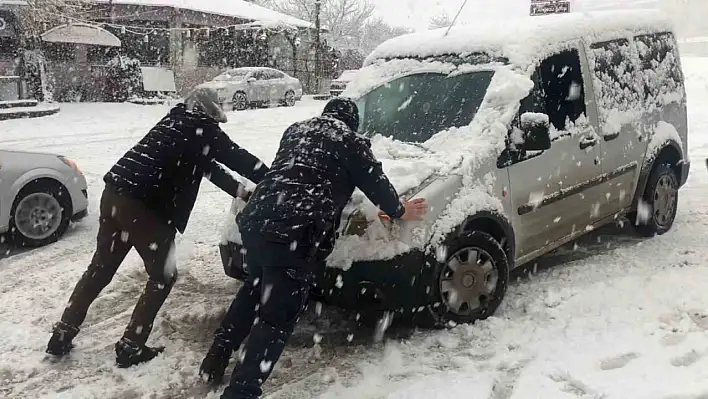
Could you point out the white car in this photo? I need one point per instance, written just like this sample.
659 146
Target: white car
40 194
248 87
338 85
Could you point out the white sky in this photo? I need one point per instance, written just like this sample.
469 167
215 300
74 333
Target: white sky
417 13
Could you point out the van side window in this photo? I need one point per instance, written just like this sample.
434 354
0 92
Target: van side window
661 72
562 83
614 72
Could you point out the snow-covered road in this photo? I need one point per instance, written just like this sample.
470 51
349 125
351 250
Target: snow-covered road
615 316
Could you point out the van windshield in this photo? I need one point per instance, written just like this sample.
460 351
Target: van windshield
414 108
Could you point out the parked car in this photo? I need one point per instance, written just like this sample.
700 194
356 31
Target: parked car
340 84
523 136
250 87
40 194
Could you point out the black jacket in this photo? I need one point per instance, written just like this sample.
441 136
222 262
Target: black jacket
165 169
318 165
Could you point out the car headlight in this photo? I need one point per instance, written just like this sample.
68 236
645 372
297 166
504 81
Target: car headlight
70 163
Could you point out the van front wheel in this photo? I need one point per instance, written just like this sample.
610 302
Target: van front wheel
471 280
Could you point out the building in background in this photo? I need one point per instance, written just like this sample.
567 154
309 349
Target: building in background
173 45
12 86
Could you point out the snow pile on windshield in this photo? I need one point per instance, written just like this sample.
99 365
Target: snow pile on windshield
521 40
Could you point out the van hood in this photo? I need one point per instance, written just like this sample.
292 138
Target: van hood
410 165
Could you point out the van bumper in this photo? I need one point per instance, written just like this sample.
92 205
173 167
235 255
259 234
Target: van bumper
390 285
685 169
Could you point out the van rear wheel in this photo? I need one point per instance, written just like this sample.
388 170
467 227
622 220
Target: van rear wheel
659 204
470 283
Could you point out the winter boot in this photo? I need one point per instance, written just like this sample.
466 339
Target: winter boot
216 361
60 342
129 353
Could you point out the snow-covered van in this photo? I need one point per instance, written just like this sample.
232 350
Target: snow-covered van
523 135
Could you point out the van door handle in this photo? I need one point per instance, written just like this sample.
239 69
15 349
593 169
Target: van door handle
588 142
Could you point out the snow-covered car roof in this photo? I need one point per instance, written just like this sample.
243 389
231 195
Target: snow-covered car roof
521 40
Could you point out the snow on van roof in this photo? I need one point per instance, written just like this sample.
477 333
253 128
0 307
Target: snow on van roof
521 40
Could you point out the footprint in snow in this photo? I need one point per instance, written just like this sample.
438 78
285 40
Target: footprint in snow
687 359
673 339
700 318
617 362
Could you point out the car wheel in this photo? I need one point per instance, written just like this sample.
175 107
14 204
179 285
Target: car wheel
289 99
40 214
469 284
659 203
240 102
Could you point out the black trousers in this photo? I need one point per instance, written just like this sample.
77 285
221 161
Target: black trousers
267 307
124 224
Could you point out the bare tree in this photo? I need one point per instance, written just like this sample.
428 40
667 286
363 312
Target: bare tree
440 21
43 14
377 31
344 19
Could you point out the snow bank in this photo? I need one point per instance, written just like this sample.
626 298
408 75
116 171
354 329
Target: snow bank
521 40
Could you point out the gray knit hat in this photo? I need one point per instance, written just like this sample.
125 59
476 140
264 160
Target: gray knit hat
207 101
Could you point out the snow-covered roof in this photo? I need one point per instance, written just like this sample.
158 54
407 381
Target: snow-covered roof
13 3
520 39
229 8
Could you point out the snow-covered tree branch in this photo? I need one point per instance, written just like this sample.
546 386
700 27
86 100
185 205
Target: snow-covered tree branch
42 14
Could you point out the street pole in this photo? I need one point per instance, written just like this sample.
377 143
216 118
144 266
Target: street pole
318 45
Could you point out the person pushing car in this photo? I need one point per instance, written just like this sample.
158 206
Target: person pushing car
288 229
149 196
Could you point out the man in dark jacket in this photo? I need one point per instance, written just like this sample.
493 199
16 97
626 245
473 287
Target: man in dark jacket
150 193
288 229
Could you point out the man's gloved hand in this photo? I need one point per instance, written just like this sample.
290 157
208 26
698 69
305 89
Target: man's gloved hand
415 210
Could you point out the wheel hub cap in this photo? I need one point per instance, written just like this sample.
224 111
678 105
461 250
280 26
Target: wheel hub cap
468 280
664 200
38 216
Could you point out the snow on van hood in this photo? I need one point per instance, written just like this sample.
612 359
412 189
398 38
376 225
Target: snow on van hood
465 151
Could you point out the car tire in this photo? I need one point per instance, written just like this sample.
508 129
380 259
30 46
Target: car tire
38 203
289 100
659 202
486 282
240 101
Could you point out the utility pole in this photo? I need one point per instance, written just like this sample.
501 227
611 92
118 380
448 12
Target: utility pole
318 46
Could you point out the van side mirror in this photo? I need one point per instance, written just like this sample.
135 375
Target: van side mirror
536 130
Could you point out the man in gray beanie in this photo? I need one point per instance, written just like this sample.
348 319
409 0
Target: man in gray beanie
150 193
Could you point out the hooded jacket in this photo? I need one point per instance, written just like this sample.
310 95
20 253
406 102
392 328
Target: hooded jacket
164 170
